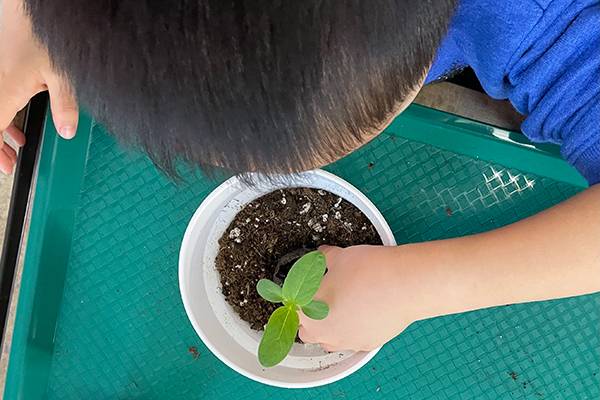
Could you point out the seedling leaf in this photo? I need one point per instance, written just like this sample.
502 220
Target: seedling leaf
316 309
279 336
269 291
304 278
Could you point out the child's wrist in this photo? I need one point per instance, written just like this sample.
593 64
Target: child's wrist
408 281
430 276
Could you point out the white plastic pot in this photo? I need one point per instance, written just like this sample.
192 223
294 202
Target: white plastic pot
220 328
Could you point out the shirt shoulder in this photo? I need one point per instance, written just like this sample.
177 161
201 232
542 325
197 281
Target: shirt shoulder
484 34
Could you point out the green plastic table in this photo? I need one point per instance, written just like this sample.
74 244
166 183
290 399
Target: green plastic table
100 317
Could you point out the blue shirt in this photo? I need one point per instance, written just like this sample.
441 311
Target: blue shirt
542 55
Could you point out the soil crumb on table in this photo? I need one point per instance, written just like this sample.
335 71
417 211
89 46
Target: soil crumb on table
193 350
275 225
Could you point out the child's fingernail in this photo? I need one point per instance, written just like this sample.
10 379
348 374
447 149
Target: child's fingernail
67 132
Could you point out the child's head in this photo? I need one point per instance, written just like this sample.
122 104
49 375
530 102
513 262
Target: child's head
265 85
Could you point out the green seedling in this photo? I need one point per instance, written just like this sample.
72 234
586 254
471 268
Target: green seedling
299 288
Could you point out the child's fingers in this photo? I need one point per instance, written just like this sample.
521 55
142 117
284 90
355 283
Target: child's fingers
303 319
9 107
16 135
329 252
10 152
65 111
326 249
305 336
6 162
328 347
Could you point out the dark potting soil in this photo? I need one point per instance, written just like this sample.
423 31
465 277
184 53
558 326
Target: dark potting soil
272 232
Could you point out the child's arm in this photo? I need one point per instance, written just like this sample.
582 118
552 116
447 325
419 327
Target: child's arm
376 292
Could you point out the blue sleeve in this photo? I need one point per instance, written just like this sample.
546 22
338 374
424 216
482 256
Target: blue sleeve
555 81
544 56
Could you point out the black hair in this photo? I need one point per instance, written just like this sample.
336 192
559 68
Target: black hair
265 85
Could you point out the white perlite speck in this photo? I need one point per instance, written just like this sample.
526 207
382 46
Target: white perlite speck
305 208
317 227
324 217
338 215
337 203
283 200
234 233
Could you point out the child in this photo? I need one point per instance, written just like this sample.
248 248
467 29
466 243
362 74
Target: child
273 86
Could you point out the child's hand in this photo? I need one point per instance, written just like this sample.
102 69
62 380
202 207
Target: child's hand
369 304
25 70
375 292
8 155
